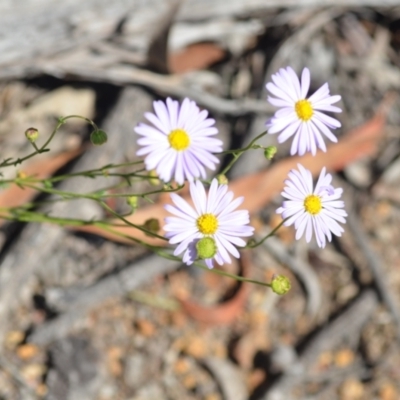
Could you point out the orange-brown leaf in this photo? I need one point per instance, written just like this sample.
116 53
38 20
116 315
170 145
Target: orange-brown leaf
195 57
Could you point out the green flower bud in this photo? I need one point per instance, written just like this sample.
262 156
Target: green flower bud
154 178
269 152
152 225
206 247
280 284
133 202
47 184
32 134
222 179
98 137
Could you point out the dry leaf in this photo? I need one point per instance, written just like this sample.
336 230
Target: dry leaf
195 57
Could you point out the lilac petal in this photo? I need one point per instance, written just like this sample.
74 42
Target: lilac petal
280 102
222 251
228 246
325 130
198 195
209 263
327 120
289 131
173 111
305 83
280 94
294 80
162 114
322 92
183 205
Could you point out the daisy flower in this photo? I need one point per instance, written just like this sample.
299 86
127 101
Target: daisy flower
179 144
300 116
312 209
211 229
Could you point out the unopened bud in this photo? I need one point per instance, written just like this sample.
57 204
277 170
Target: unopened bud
269 152
98 137
133 202
280 284
47 184
154 178
152 225
206 248
21 175
222 179
32 134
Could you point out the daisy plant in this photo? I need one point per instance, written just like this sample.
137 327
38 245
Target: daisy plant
211 228
312 209
299 116
179 143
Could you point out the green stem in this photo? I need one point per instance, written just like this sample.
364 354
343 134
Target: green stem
38 150
272 233
233 276
237 153
139 227
96 196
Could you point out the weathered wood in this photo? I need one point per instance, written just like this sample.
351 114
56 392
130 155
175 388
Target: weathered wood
119 284
36 31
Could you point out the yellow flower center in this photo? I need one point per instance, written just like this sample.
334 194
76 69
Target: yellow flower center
179 139
304 110
313 204
207 224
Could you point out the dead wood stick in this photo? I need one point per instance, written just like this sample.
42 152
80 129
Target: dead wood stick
173 85
119 284
203 9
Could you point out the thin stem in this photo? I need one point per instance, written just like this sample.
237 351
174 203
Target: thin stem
96 196
233 276
139 227
38 150
272 233
214 270
237 153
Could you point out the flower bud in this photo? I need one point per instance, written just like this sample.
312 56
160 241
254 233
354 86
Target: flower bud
222 179
280 284
152 225
206 247
47 184
154 178
269 152
133 202
98 137
21 175
32 134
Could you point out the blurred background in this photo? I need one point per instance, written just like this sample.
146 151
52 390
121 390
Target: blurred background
83 316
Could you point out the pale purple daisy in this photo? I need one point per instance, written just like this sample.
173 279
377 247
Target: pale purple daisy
211 229
179 144
317 210
300 116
